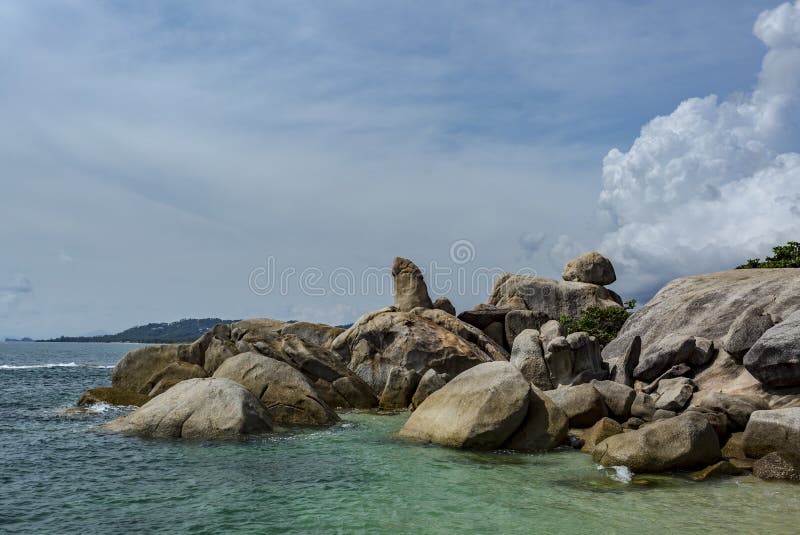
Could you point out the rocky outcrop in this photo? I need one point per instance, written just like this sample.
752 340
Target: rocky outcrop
772 430
113 396
410 290
255 329
551 297
218 351
285 392
197 408
775 358
478 409
705 306
174 373
593 268
484 315
582 404
685 441
380 341
545 425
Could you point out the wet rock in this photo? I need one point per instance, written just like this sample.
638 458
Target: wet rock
197 408
778 466
478 409
582 404
285 392
719 469
593 268
685 441
113 396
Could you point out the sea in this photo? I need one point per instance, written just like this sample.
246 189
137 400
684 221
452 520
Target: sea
60 474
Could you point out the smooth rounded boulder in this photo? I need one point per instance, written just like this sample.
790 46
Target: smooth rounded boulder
197 408
685 441
775 358
134 370
582 404
772 430
478 409
286 393
593 268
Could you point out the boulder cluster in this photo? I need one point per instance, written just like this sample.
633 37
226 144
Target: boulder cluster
704 376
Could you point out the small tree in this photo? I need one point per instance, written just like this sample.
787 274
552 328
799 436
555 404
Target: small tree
602 323
784 256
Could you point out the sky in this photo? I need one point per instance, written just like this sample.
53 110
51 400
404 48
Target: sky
163 160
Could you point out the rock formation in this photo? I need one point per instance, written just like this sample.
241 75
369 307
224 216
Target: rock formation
410 290
593 268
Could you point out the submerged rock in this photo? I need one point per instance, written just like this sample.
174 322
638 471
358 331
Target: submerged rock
720 469
197 408
286 393
113 396
478 409
686 441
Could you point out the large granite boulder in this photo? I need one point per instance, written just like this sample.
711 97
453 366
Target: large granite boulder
172 374
484 315
604 428
551 297
593 268
386 339
623 369
478 409
775 358
618 398
218 351
660 356
582 404
134 370
772 430
400 387
674 394
255 329
745 331
685 441
528 356
707 305
286 393
335 383
737 408
545 426
410 290
197 408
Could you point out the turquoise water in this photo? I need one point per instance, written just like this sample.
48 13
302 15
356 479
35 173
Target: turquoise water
59 475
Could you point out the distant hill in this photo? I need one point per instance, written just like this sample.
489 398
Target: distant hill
185 330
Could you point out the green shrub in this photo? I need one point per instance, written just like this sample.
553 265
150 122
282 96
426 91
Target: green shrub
784 256
602 323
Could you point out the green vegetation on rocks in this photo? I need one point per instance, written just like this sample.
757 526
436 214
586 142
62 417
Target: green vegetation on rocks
602 323
784 256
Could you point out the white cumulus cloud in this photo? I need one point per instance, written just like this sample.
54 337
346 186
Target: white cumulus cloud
715 182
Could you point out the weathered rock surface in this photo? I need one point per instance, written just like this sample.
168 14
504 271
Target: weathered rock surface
386 339
718 420
574 359
600 431
428 384
663 414
706 306
704 352
773 430
775 358
737 408
686 441
174 373
674 394
551 297
734 447
679 370
582 404
662 355
134 370
528 356
285 392
617 397
593 268
496 332
218 351
545 426
468 332
517 321
197 408
400 387
551 330
622 370
444 304
745 331
778 465
484 315
478 409
644 406
255 329
312 333
113 396
410 290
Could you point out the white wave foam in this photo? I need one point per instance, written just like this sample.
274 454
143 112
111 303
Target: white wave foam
50 365
622 474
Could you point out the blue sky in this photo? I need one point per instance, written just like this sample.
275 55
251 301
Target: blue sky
156 153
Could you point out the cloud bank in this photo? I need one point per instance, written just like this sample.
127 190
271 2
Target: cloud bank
715 182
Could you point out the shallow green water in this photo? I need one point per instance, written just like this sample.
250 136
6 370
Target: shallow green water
58 474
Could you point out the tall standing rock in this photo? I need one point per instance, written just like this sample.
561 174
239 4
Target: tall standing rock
593 268
410 290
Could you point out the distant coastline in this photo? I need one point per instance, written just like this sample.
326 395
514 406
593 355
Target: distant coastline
176 332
